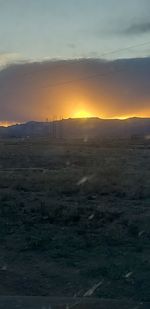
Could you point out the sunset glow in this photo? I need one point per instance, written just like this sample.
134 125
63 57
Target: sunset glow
82 114
7 124
107 98
124 117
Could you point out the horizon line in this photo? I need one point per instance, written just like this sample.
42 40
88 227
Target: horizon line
6 124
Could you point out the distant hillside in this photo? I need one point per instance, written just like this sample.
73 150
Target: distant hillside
80 128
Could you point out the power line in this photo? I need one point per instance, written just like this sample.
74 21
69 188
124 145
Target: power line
125 48
115 51
97 74
88 77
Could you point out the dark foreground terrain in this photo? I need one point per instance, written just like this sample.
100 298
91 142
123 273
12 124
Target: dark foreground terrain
67 303
75 218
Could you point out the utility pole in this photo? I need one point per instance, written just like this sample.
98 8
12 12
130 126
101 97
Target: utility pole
54 128
61 133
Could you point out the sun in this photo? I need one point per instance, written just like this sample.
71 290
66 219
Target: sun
82 114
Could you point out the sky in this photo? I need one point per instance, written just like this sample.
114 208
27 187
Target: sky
41 31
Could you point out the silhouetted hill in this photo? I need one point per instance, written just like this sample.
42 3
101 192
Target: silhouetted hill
81 128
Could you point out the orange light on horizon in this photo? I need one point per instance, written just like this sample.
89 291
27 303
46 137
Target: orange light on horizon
124 117
7 124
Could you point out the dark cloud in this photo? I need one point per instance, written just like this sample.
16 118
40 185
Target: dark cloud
137 28
35 91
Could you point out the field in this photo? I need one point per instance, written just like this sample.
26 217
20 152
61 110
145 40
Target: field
73 215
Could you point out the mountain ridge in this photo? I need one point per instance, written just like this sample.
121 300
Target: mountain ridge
80 128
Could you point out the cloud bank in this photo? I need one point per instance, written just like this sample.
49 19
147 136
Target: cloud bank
40 90
7 59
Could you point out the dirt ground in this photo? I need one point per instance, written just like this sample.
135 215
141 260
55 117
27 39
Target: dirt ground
74 215
66 303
